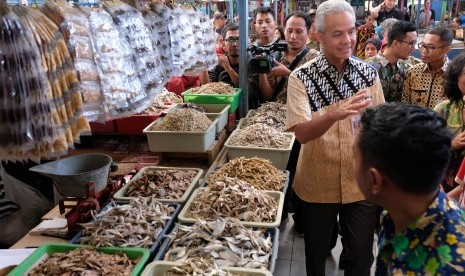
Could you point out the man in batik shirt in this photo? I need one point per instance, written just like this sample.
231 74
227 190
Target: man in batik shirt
424 82
391 64
401 154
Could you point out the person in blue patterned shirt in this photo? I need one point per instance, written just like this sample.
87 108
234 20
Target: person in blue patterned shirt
401 154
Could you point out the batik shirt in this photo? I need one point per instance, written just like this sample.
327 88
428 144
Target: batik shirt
391 77
434 244
422 87
363 34
324 171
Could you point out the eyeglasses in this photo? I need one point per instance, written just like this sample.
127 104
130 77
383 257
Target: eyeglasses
429 48
231 40
412 44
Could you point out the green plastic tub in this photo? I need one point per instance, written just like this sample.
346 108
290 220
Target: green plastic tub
232 100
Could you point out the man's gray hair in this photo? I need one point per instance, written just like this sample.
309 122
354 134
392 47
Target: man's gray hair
330 7
386 25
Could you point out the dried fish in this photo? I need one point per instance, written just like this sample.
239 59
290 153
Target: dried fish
194 106
197 266
272 114
85 261
234 198
166 184
168 97
260 135
258 172
137 224
183 119
214 88
233 245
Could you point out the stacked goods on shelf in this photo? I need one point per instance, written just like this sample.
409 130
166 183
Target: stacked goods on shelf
168 185
183 130
230 197
262 141
214 93
71 259
35 122
226 241
272 114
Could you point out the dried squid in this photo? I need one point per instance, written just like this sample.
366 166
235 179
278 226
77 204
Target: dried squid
270 113
260 135
197 266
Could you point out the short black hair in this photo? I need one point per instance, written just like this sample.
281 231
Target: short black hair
399 30
229 27
451 78
445 35
300 14
410 144
263 10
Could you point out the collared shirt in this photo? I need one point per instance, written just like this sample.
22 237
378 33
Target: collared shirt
434 244
423 87
324 171
313 44
391 77
282 95
363 34
393 13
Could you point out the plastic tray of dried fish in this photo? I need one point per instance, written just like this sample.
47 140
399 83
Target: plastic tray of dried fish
122 194
278 196
279 157
158 239
232 100
214 111
180 141
45 251
273 233
159 268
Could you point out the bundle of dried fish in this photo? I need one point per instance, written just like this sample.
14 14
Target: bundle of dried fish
227 241
258 172
137 224
234 198
260 135
197 266
214 88
166 184
85 261
183 120
272 114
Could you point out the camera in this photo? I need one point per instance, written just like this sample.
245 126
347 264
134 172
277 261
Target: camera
263 56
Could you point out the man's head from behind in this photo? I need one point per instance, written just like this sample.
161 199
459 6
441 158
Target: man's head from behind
230 41
402 38
297 29
400 149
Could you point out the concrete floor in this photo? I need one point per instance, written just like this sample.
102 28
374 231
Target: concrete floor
291 254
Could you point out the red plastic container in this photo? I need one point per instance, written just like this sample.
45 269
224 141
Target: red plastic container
103 128
135 124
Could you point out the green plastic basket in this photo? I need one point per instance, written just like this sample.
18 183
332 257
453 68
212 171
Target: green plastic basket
232 100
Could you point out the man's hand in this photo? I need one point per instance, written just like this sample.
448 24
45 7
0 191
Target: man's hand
459 141
280 70
224 62
352 106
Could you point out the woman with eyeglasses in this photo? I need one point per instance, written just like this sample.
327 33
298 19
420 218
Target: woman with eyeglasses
453 110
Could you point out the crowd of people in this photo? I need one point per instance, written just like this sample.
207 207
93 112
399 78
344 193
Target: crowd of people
379 137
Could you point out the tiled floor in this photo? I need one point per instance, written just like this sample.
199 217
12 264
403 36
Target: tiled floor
291 254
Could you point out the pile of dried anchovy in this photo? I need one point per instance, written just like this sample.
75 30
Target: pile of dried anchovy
85 261
214 88
260 135
197 266
161 183
233 198
183 119
270 113
227 241
137 224
258 172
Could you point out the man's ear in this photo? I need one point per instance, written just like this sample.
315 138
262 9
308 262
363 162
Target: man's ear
318 36
377 181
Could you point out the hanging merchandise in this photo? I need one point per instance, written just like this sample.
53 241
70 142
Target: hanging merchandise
27 127
149 66
208 40
182 40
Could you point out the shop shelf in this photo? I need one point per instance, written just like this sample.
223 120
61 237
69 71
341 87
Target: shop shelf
158 268
180 141
120 195
232 100
278 196
45 251
279 157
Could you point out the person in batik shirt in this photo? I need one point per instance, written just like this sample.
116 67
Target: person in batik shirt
422 229
364 32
